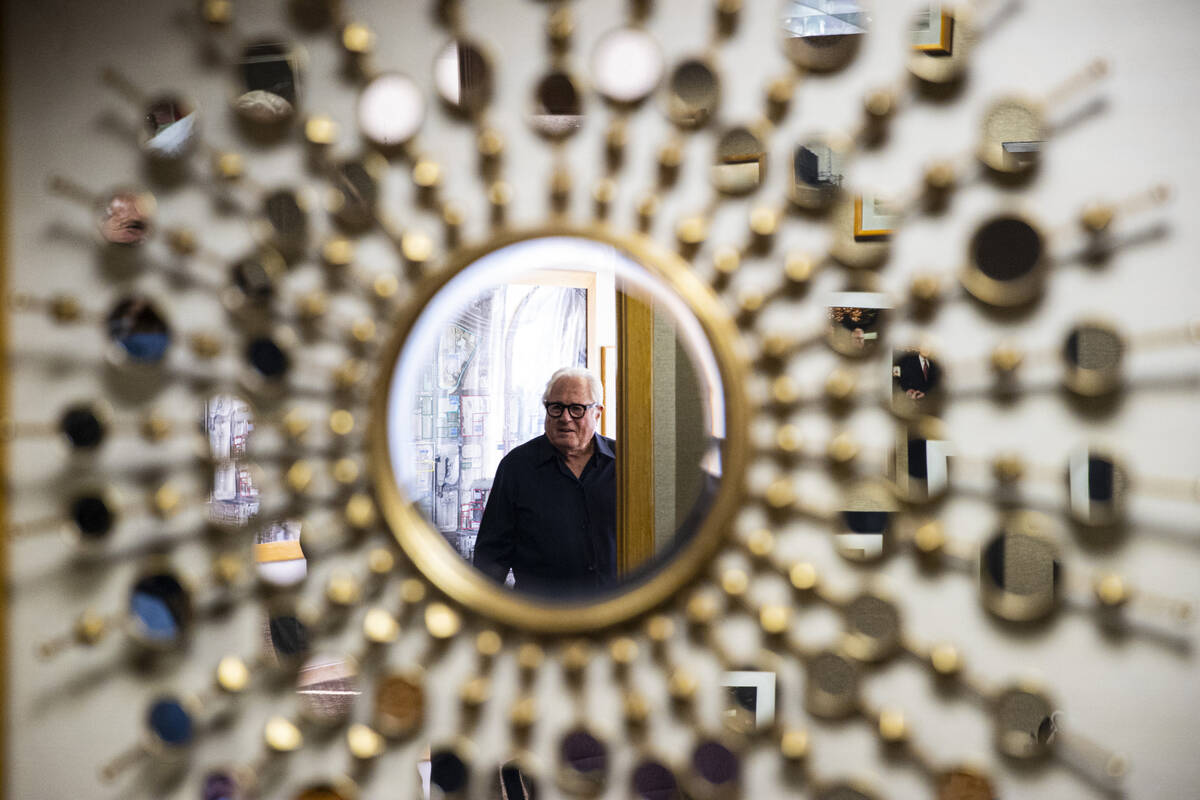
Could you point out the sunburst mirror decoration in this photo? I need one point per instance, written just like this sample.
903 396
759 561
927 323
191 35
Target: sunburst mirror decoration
882 483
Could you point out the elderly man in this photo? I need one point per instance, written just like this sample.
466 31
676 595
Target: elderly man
552 513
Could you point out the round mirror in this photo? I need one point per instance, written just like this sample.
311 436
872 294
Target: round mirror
856 321
627 65
269 73
327 687
1020 571
285 213
1012 135
821 35
1097 487
818 165
168 127
160 608
559 440
278 556
918 382
863 225
463 77
557 109
1092 354
863 532
1023 722
1006 261
740 162
138 331
126 217
939 39
694 93
919 466
355 192
390 110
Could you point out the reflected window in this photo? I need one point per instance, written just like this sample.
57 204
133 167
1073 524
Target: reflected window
228 424
813 18
234 499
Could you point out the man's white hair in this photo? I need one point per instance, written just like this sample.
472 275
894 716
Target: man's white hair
594 384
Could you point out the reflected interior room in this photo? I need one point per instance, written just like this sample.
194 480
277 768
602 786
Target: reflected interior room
481 395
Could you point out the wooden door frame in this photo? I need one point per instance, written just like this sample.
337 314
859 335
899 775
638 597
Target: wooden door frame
635 432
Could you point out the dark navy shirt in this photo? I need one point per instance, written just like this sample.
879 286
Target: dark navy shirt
557 533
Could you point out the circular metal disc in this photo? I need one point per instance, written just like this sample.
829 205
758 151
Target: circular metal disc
716 770
964 783
844 791
831 685
354 193
286 636
253 281
818 40
327 686
627 65
138 330
227 426
286 214
322 791
918 382
1097 488
84 425
1020 574
941 39
170 723
583 768
920 463
1012 135
169 127
856 322
450 771
557 107
269 75
857 241
462 75
693 93
160 609
863 531
1006 261
818 165
390 110
279 559
1023 725
399 703
740 164
514 779
127 217
872 628
652 779
1092 354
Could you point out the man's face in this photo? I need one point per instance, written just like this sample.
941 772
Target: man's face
566 434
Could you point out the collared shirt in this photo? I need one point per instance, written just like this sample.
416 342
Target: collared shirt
557 532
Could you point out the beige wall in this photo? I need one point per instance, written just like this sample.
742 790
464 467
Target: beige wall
65 718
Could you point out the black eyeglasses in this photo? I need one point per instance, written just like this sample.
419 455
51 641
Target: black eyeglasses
576 410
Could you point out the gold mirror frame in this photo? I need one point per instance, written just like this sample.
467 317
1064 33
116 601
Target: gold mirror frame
459 580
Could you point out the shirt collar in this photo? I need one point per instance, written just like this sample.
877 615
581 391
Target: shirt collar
548 451
604 446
